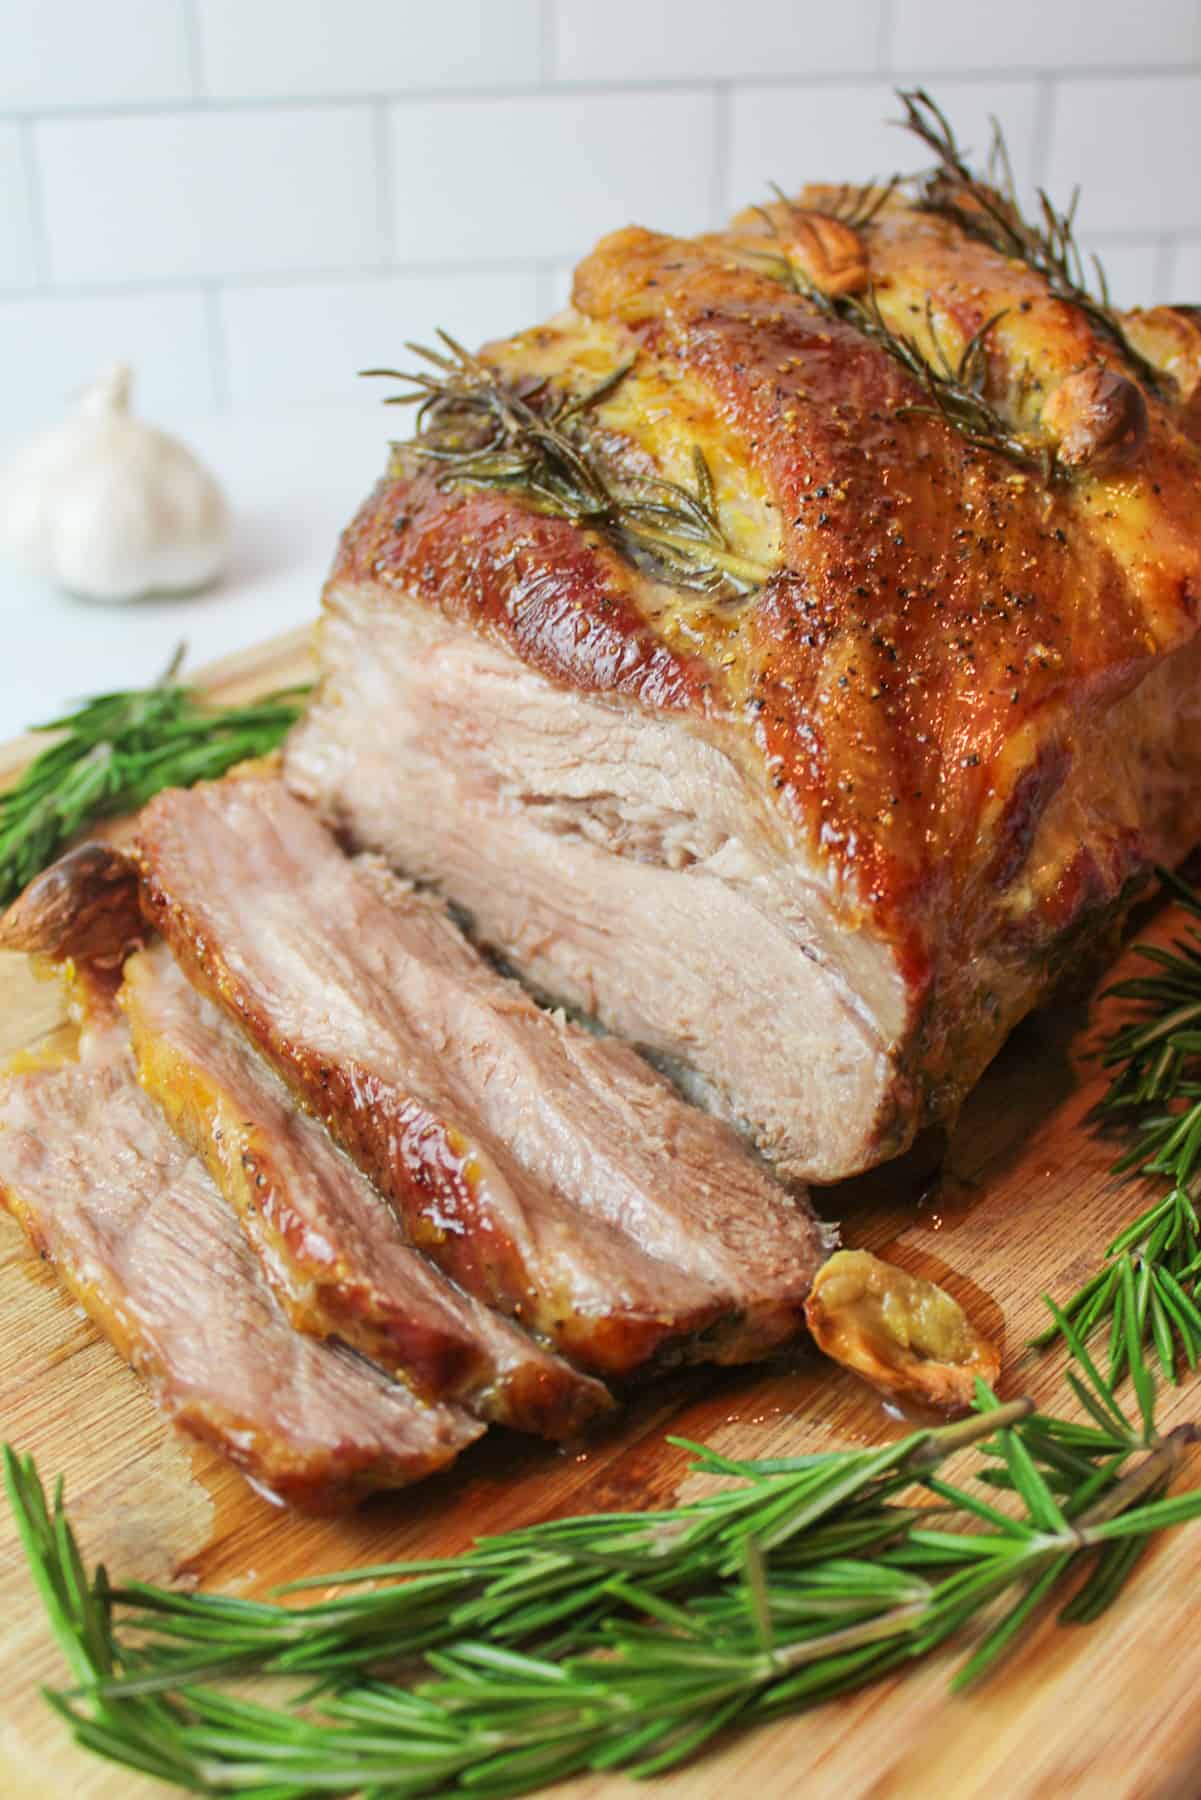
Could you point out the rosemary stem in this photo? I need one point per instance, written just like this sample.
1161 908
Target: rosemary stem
743 568
942 1440
1156 1468
900 1621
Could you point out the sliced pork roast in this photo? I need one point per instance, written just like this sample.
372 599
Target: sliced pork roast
550 1173
141 1236
330 1245
816 820
415 1004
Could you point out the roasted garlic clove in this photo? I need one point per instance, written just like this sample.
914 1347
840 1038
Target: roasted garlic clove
830 253
1097 419
84 906
904 1335
1169 337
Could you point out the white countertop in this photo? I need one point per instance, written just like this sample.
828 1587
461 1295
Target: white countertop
293 481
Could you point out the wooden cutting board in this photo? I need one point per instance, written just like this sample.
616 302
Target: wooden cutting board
1025 1204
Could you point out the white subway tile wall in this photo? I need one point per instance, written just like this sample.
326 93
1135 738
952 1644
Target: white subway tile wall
251 199
252 48
942 35
844 132
541 177
167 196
18 255
115 53
1136 151
314 339
677 40
1185 279
51 347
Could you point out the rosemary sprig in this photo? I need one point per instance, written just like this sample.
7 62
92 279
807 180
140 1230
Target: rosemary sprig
955 388
480 431
619 1641
116 751
1146 1288
851 205
987 208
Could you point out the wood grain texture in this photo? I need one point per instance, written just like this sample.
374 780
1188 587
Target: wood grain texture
1024 1204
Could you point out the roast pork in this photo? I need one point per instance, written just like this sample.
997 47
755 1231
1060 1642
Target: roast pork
803 719
328 1242
139 1233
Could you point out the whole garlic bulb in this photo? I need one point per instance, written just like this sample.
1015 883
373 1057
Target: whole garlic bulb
108 507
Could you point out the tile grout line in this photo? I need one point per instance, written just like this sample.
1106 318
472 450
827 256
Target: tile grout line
1044 113
1166 259
886 33
35 200
381 131
363 273
849 76
193 41
219 369
723 125
279 280
545 274
548 44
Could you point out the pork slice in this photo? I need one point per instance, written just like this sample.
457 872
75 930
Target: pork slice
621 862
551 1173
142 1238
330 1245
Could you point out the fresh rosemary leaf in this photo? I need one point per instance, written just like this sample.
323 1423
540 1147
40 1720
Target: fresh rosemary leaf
479 431
1145 1294
116 751
791 1583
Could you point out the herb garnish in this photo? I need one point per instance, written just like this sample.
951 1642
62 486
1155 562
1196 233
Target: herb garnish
120 749
481 431
987 209
1148 1284
851 205
623 1640
955 387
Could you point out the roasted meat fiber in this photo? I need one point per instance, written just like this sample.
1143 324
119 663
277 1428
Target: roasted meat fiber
329 1244
550 1173
140 1235
819 830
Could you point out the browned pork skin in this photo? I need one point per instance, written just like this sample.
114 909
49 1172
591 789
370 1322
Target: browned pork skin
554 1175
328 1243
142 1238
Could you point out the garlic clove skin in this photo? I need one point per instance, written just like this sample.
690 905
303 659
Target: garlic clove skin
110 507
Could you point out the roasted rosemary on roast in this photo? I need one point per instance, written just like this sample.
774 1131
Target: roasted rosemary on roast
987 208
955 387
480 431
